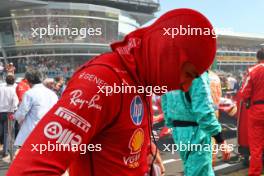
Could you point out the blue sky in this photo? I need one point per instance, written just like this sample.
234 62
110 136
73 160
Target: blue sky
245 16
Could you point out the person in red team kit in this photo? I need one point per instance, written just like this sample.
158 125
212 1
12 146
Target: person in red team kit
115 128
21 89
252 90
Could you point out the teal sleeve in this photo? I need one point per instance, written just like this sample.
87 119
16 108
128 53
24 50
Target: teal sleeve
164 105
202 106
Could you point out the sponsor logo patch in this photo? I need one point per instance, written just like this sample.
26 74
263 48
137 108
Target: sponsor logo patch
92 78
54 130
135 144
73 118
77 100
136 110
136 141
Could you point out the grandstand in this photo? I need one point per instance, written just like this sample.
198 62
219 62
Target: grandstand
236 51
105 21
61 54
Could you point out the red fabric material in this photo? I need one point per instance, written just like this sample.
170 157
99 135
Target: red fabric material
124 145
243 124
21 88
252 89
256 146
144 57
156 59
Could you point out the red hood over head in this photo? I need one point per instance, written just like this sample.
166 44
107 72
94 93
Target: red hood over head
154 58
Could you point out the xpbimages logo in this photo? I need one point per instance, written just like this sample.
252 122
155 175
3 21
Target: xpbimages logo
58 147
214 148
189 30
65 31
124 89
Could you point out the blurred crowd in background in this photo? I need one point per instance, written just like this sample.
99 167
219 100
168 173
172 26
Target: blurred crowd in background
50 68
14 102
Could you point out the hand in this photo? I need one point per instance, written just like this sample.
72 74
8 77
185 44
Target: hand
226 151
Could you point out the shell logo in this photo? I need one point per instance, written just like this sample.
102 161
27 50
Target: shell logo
136 141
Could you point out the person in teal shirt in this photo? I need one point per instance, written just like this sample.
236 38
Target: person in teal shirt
191 115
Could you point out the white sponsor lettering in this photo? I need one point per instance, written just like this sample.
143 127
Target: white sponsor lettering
132 43
76 100
53 130
73 118
93 78
131 159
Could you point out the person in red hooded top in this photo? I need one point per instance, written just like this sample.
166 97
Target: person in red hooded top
114 130
252 91
21 88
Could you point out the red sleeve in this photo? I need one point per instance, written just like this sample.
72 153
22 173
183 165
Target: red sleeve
81 113
246 89
21 88
19 92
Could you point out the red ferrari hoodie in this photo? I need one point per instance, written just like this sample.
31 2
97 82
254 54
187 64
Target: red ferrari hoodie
94 134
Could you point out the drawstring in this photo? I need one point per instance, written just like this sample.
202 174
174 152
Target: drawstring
151 136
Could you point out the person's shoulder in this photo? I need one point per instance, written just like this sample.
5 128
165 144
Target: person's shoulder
10 87
3 87
101 72
50 92
29 94
202 78
202 83
256 67
110 59
43 87
205 75
21 83
34 90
